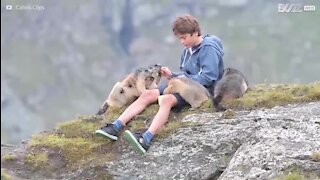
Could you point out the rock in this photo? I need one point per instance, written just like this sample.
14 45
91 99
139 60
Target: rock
261 144
257 144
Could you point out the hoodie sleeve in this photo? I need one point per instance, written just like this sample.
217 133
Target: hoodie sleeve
209 67
176 74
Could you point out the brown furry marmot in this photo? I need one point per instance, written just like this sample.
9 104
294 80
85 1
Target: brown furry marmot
191 91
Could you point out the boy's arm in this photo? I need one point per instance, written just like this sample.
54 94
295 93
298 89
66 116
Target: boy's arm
209 67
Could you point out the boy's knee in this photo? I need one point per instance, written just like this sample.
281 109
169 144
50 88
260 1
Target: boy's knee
168 100
150 96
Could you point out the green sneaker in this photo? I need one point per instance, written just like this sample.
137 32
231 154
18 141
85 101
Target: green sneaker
136 141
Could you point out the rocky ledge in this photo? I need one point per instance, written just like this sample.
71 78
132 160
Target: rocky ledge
258 144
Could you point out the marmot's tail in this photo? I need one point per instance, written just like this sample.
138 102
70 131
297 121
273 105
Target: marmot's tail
103 109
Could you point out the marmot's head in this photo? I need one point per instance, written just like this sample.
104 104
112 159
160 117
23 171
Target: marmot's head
155 71
121 95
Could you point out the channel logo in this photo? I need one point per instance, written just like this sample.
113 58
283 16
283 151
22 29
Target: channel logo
9 7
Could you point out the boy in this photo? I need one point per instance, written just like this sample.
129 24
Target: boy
201 60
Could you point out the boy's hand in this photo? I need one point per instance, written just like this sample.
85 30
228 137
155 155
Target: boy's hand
165 71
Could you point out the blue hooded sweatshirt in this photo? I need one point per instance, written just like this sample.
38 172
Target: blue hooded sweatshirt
203 63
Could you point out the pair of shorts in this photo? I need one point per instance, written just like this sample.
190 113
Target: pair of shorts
181 103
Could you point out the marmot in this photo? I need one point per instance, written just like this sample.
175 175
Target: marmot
232 85
148 78
144 80
130 88
121 95
155 72
191 91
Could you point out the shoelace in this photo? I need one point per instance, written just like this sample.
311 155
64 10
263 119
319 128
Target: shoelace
107 125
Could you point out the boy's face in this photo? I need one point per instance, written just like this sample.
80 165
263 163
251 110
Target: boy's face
188 40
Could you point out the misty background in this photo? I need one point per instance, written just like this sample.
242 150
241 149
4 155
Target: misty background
60 58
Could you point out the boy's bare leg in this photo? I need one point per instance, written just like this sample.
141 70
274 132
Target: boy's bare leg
162 115
141 143
146 98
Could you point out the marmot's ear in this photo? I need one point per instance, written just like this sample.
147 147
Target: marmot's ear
226 71
138 71
131 82
157 65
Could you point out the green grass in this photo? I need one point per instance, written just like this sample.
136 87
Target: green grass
9 157
4 176
272 95
294 172
77 128
77 146
293 176
37 160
